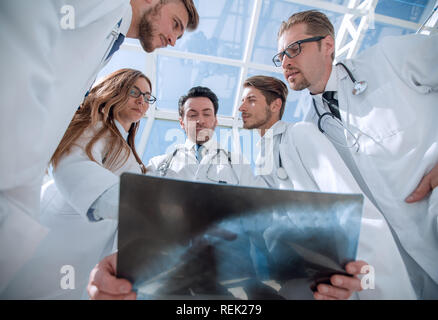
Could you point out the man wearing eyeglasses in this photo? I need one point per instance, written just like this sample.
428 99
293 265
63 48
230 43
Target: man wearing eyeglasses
304 159
383 127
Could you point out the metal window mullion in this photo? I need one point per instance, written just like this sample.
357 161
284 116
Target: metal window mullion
151 73
243 74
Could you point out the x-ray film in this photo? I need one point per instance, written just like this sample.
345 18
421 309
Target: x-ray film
184 240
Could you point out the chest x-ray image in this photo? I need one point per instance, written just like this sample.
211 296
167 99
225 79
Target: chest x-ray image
184 240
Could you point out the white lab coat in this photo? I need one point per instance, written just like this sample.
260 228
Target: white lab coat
312 164
73 240
214 166
396 121
46 71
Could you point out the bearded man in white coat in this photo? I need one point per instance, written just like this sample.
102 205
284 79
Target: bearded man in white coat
382 125
299 157
51 53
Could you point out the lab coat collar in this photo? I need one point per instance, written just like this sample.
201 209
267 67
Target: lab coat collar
278 128
126 21
121 130
209 145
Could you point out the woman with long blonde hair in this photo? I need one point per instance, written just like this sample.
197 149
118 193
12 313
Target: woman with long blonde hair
80 205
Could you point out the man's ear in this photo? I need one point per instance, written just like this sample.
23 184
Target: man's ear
329 45
276 105
181 123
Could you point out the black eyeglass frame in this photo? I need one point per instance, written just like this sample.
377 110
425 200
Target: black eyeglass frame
150 100
299 42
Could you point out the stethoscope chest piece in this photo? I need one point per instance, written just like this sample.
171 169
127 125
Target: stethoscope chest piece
359 87
281 173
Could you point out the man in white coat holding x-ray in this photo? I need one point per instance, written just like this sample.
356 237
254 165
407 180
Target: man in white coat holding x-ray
298 157
52 51
379 110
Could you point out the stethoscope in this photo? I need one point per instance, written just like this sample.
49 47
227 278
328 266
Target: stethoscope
359 87
165 165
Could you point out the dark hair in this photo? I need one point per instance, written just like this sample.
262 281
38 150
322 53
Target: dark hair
270 87
196 92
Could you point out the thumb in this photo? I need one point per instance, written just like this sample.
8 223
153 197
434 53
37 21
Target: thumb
421 191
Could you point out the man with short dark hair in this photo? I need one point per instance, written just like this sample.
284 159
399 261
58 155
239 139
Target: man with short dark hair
298 157
379 110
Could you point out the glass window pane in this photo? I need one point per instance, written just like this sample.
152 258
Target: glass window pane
222 31
297 102
125 58
165 134
272 13
373 36
411 10
176 76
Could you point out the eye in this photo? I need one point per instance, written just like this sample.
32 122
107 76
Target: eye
134 92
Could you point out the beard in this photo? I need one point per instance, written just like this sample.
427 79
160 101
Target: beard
146 29
259 122
299 83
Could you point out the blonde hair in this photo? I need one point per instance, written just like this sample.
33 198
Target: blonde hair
103 104
317 24
193 22
193 14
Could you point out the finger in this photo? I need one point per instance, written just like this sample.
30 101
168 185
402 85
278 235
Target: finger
345 282
355 267
96 294
102 278
319 296
421 191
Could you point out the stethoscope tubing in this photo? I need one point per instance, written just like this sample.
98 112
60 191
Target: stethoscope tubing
164 166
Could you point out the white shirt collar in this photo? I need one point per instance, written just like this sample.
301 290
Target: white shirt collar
209 145
121 129
332 85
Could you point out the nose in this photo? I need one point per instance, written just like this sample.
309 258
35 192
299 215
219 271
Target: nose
140 100
242 107
286 62
172 40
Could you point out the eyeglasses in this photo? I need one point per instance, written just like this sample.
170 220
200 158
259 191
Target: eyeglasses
292 50
147 97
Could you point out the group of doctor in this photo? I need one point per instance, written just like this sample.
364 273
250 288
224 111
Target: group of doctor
371 140
78 217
